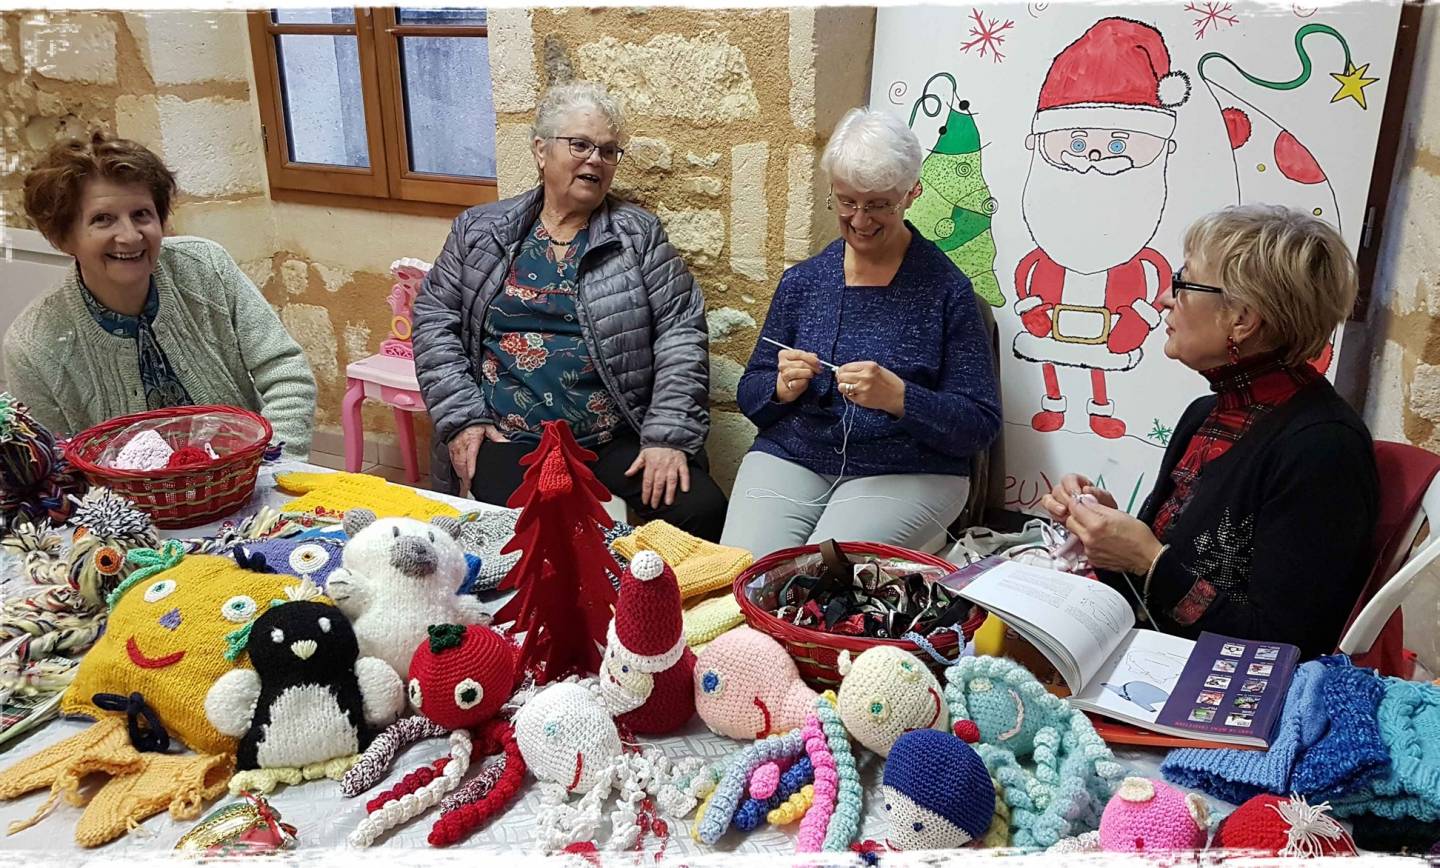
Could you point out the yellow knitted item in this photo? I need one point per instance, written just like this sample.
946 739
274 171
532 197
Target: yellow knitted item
700 567
998 835
793 808
139 785
166 640
709 618
334 493
267 779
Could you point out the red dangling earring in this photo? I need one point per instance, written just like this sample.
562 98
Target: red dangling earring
1233 349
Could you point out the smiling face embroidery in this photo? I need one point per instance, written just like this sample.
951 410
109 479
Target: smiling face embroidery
886 693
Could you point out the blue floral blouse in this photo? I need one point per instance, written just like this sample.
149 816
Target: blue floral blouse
162 387
536 365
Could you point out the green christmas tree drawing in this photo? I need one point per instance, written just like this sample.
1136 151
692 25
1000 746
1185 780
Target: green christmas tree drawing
955 208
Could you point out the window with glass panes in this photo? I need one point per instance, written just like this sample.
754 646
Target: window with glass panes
379 104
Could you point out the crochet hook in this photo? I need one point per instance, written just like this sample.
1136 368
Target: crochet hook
784 347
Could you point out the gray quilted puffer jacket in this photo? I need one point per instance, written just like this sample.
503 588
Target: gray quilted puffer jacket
641 311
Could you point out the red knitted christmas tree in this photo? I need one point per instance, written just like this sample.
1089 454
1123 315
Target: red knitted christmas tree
565 600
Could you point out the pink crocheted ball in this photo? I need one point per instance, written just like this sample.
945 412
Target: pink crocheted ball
1146 815
746 686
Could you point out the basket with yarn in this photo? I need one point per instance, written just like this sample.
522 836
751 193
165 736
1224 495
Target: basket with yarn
203 461
816 652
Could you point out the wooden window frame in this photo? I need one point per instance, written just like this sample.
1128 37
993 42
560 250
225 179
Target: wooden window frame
388 183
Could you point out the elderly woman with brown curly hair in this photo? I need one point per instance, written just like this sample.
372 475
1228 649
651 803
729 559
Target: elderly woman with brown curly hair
143 322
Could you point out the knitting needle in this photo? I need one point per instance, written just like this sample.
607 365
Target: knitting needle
792 349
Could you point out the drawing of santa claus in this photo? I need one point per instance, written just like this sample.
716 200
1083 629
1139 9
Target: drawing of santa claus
1087 295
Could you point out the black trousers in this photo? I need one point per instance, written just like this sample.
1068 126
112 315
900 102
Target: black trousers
700 511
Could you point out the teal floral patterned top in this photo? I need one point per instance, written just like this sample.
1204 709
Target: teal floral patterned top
536 365
162 386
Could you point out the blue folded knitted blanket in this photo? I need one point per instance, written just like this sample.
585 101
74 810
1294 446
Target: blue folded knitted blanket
1409 723
1328 742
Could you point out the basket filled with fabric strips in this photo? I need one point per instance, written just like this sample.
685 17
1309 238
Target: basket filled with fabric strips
185 466
820 600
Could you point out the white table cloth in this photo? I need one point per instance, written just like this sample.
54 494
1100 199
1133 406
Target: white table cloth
323 817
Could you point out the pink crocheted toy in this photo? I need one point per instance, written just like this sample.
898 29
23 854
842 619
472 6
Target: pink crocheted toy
747 687
1147 815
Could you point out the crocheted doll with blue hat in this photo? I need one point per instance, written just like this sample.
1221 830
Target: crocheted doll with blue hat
1056 772
938 795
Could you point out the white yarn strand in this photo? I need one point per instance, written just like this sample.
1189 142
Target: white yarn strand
1309 827
412 805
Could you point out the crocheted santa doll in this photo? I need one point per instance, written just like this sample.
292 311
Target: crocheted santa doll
647 674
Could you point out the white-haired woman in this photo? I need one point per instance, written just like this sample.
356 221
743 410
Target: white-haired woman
879 446
1260 522
565 303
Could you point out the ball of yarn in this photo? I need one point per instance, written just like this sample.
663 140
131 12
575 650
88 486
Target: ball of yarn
35 479
187 456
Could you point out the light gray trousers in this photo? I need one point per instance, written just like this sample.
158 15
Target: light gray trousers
903 509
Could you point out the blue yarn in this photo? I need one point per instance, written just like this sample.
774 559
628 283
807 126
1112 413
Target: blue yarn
729 792
749 815
1237 775
924 645
942 774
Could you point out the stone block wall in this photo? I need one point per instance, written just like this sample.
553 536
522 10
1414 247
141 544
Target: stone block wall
728 109
1403 397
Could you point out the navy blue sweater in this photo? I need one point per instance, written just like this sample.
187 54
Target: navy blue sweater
925 327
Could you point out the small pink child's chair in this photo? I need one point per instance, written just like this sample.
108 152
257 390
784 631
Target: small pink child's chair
388 376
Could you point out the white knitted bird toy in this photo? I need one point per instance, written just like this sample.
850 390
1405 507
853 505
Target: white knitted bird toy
459 679
571 745
397 577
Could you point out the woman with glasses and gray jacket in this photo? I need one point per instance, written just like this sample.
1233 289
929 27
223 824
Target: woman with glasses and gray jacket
873 382
566 303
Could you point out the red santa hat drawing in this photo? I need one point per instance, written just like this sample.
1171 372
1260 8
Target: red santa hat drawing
1115 76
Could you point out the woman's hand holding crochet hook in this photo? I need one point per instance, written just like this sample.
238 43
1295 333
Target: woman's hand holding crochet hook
871 385
1114 540
1072 485
795 368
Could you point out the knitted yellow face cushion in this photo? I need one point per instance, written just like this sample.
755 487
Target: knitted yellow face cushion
166 640
334 493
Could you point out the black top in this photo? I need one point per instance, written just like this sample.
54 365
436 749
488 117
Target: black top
1276 542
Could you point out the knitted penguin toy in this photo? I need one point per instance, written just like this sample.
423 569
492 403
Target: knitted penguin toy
937 793
1150 816
647 673
1273 825
309 706
887 691
397 577
746 686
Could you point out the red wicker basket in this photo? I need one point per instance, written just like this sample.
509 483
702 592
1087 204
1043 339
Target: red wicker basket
186 496
816 652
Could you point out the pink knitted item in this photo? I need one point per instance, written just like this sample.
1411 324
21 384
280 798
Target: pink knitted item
1149 816
747 687
811 837
764 780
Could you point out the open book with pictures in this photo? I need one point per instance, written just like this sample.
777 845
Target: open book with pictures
1215 689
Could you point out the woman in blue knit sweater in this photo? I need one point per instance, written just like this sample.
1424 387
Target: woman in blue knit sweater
869 420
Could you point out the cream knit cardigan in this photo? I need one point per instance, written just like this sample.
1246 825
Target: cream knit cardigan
223 341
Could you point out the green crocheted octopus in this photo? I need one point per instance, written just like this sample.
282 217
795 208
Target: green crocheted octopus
1056 772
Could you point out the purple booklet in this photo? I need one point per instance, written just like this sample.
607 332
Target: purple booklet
1231 690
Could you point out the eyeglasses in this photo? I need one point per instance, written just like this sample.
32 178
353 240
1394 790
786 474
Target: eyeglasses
1179 284
581 149
849 209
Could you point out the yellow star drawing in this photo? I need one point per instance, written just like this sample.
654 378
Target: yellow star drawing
1352 83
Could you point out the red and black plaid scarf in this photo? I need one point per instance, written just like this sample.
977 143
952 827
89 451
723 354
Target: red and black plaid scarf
1246 391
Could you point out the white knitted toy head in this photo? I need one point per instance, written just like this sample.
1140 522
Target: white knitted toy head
422 558
885 693
566 737
746 686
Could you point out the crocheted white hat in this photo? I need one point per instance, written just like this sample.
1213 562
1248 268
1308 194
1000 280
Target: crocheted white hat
648 632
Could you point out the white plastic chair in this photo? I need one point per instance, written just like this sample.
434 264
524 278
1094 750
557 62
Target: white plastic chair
1367 625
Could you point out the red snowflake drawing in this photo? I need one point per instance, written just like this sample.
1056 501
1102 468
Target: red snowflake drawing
1211 15
988 36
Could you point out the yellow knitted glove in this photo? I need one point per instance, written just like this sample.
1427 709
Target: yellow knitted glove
793 808
709 618
334 493
700 567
